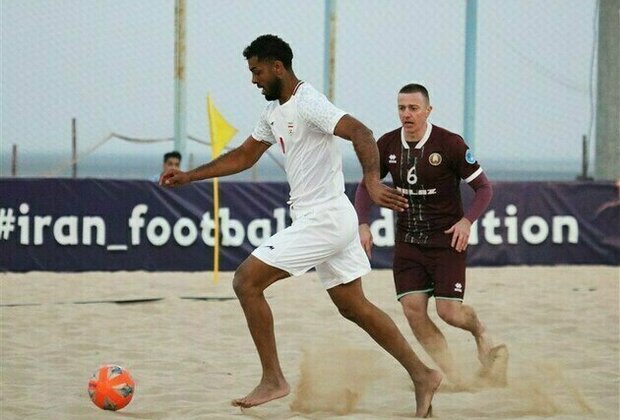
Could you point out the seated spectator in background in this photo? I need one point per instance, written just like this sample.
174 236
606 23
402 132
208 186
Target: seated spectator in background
171 160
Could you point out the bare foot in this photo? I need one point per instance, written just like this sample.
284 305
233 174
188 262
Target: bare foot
264 392
494 371
484 344
424 391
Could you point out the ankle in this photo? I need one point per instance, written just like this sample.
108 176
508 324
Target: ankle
480 330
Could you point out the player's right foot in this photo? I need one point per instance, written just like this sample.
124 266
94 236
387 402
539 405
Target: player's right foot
484 344
264 392
494 370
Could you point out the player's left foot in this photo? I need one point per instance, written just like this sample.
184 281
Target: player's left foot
424 391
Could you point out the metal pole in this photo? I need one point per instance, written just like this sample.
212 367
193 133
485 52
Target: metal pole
469 117
14 161
73 148
329 49
585 158
180 133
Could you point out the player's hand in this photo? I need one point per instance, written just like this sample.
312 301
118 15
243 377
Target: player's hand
460 234
173 178
385 196
366 238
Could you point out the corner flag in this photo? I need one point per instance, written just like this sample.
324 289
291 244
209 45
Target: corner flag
221 131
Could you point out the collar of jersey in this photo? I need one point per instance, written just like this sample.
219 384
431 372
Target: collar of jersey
295 89
422 141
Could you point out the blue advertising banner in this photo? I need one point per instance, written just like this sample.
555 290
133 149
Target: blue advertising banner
95 224
532 223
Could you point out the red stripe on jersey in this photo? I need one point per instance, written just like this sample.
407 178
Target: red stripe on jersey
301 82
282 145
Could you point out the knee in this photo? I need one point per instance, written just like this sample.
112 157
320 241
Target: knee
352 311
348 313
242 284
448 313
238 284
416 314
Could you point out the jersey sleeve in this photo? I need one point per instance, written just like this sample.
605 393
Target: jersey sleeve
262 130
363 204
465 164
382 146
315 109
482 197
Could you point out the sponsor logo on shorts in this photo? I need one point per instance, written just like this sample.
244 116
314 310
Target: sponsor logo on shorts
458 288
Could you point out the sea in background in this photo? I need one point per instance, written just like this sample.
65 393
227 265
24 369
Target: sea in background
268 169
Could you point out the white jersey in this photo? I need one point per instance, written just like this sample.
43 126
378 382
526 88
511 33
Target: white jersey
303 128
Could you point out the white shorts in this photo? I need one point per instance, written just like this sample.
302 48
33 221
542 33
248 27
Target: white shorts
324 237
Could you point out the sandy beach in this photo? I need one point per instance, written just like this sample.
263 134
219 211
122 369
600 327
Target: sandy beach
190 353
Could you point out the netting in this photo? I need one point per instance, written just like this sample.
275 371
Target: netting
110 66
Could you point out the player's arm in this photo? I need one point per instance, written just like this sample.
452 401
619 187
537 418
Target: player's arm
363 206
483 192
232 162
366 150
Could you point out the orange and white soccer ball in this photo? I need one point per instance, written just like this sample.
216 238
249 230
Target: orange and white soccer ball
111 387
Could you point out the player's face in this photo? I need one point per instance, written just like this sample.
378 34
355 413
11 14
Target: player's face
172 163
413 111
265 76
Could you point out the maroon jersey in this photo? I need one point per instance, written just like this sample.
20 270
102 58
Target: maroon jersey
428 173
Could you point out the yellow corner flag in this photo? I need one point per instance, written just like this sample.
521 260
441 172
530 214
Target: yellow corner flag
221 131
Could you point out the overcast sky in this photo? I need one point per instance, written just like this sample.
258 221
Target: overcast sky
110 65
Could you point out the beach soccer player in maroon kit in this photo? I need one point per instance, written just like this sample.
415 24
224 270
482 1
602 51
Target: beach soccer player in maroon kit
427 164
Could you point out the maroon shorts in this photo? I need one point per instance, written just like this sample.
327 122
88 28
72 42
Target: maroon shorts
435 271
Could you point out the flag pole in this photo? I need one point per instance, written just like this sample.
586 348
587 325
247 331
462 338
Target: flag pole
221 133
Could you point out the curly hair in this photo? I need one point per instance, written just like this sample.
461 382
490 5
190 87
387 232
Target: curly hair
270 47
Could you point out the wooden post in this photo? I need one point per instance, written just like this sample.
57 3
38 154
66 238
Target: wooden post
180 129
329 49
607 143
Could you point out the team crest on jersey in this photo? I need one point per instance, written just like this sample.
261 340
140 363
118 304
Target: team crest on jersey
469 157
392 158
434 159
290 127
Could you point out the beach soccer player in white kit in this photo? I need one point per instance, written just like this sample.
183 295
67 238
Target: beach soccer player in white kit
324 233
